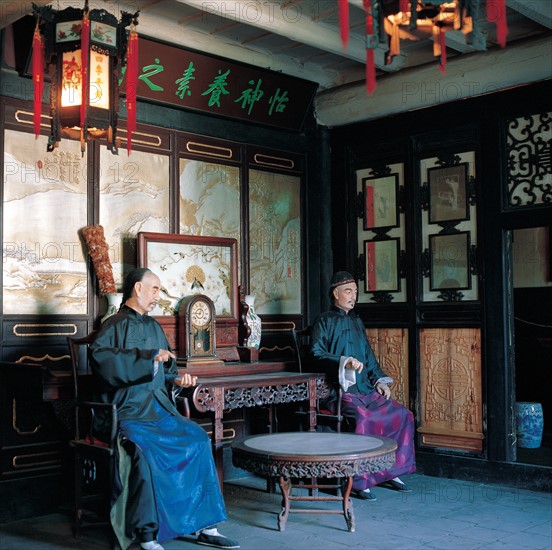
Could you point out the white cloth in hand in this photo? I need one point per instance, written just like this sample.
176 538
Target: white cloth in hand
346 377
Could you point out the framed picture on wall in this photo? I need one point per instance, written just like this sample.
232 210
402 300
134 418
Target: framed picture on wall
189 264
382 265
448 194
380 202
450 267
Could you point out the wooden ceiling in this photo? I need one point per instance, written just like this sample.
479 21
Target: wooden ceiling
301 38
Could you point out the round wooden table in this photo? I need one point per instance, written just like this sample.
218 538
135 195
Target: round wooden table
314 455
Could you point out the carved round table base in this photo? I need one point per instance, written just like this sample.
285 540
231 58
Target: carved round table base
314 456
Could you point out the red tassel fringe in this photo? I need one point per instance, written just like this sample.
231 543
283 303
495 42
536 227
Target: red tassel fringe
85 44
370 57
496 13
343 6
38 79
131 86
443 42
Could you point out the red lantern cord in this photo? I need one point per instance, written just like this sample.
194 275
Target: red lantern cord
443 43
343 6
85 43
496 13
370 57
131 85
38 78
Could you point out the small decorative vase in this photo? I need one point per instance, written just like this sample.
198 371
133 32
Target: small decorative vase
529 424
254 322
113 304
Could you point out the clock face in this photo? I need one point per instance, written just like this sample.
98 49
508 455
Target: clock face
200 313
196 332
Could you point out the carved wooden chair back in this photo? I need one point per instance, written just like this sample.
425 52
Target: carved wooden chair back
328 414
94 450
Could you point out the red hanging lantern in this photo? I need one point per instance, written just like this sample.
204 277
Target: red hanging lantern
83 52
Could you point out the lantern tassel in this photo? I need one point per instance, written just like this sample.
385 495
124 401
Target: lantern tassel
131 85
371 44
38 78
343 6
85 44
496 13
370 71
443 59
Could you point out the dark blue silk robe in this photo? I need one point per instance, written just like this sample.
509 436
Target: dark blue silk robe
167 483
337 334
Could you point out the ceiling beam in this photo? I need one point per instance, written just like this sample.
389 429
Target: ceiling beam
539 11
271 17
169 30
467 76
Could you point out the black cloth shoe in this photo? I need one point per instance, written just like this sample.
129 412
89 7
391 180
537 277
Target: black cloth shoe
365 495
396 486
218 541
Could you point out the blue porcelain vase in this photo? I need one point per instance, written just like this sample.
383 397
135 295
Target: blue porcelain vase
529 424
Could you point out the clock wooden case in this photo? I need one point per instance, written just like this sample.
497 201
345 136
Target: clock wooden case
196 331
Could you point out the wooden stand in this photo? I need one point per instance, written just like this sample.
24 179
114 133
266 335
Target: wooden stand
197 362
248 355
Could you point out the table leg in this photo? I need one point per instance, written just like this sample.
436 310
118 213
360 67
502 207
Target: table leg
313 398
286 488
346 488
218 432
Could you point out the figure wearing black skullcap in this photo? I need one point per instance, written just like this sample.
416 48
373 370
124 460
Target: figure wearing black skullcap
340 348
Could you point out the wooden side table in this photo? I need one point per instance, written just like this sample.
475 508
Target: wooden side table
219 394
314 455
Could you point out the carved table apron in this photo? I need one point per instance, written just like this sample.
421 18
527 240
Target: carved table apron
224 393
314 455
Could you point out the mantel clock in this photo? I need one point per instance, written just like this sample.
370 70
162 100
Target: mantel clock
196 331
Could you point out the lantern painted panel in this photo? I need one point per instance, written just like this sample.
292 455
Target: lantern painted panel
71 79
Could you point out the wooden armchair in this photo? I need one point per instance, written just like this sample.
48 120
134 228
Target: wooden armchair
95 450
328 414
94 453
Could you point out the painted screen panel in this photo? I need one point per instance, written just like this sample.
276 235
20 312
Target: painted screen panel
45 202
134 197
275 242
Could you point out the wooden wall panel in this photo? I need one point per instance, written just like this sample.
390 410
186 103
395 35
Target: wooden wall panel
450 389
390 346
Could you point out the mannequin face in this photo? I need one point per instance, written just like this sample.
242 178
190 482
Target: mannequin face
346 296
146 293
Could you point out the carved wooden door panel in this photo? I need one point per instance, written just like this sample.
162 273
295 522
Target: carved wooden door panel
451 409
390 346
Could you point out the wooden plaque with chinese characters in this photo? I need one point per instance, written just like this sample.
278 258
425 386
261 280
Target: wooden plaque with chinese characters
451 408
